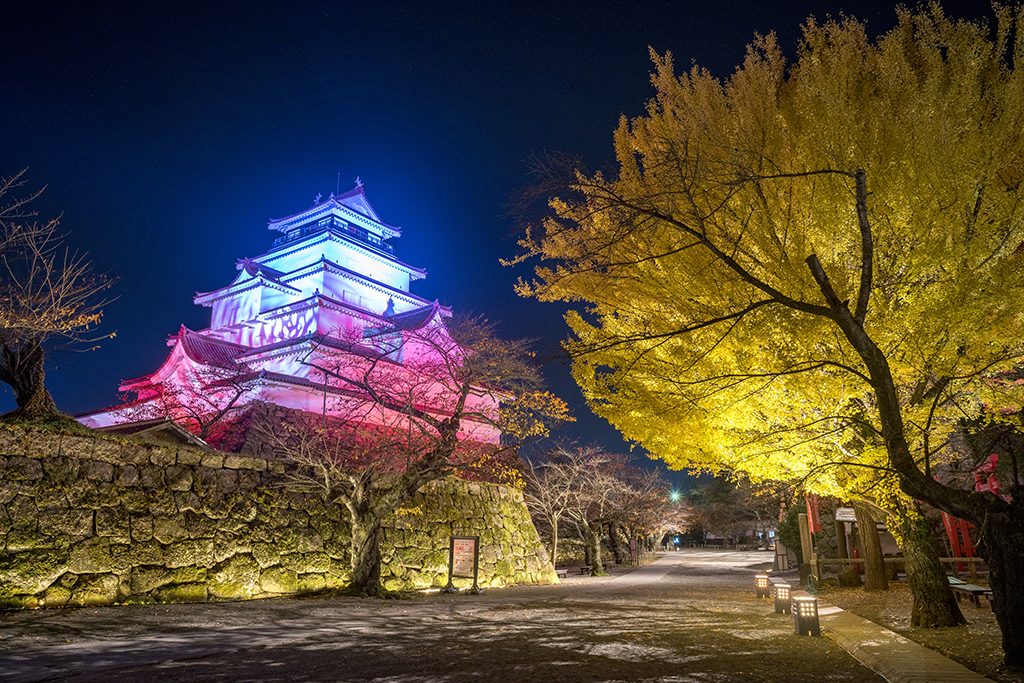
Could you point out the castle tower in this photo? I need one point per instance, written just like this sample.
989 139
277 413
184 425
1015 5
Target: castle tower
331 277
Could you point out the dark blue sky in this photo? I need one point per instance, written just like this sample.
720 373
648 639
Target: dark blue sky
168 135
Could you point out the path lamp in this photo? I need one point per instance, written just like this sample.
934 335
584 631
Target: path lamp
782 597
805 615
761 585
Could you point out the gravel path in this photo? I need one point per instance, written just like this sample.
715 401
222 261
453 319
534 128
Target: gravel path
690 616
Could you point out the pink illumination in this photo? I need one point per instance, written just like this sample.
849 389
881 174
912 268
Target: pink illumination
308 301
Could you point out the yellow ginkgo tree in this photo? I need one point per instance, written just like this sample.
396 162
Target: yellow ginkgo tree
809 253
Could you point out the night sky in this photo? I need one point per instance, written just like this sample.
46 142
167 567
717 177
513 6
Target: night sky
168 136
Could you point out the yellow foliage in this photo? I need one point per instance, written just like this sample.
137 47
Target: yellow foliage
695 339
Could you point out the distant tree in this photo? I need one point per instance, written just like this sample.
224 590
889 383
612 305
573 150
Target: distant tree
549 491
47 292
811 248
393 427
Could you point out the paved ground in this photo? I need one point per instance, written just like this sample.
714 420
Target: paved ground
690 616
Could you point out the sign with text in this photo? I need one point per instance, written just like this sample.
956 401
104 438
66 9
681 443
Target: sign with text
464 553
463 561
845 515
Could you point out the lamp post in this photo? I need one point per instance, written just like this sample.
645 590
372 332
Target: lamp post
782 598
761 585
805 615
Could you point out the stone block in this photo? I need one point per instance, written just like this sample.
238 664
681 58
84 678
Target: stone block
63 521
147 579
178 477
142 553
91 556
162 456
95 589
108 451
237 577
213 460
241 462
266 554
187 456
161 502
97 470
23 469
227 545
113 523
189 553
248 479
152 476
169 529
31 572
61 470
310 583
215 482
182 592
55 596
23 513
279 580
141 527
186 501
8 490
128 476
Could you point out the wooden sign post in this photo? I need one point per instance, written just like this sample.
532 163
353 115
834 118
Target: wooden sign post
463 561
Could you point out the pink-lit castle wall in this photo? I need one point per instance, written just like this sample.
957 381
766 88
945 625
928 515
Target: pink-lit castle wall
330 284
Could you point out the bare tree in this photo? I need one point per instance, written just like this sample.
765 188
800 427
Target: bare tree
409 407
47 292
202 398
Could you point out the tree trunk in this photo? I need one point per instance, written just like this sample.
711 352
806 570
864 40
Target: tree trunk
554 541
22 368
1003 549
874 565
594 548
367 532
934 604
613 538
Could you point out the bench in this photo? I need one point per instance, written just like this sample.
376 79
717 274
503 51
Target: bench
562 573
974 593
585 570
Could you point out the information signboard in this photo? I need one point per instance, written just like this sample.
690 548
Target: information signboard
463 561
464 556
845 515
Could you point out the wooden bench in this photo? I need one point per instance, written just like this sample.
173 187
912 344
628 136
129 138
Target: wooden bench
974 593
585 570
562 573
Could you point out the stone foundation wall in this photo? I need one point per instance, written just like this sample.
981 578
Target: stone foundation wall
95 519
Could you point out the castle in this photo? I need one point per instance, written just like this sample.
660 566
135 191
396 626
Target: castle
329 288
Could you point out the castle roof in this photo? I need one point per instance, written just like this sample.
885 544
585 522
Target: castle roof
209 351
352 204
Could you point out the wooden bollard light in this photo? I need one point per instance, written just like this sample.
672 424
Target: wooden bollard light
761 585
805 615
782 598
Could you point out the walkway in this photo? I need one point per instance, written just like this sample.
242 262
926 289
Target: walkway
898 659
690 616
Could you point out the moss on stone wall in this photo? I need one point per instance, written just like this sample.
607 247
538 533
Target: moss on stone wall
95 519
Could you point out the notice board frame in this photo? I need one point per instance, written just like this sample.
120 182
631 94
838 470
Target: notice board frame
450 588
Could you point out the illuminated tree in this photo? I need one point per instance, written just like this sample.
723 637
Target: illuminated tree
409 408
201 398
812 249
47 292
